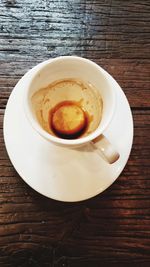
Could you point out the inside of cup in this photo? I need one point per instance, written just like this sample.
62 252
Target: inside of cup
65 93
83 70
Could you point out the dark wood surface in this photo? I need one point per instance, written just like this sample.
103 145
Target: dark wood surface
112 229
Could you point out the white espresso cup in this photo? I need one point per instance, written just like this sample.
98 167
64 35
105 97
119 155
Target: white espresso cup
73 67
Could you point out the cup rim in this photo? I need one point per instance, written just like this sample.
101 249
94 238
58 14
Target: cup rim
54 139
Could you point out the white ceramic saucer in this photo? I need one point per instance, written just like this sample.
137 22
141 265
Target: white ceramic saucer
60 173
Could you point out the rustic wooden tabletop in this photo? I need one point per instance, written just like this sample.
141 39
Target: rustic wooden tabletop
112 229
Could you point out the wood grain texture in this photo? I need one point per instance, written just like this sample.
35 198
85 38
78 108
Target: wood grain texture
112 229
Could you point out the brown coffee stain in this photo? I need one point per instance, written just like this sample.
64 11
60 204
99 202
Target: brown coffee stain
58 124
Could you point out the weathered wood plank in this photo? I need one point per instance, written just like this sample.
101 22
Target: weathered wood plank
41 29
112 229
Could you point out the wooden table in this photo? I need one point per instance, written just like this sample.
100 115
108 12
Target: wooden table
112 229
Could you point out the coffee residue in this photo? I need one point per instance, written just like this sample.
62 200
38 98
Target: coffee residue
68 119
54 99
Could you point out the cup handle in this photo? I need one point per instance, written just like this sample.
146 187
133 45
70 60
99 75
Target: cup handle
104 147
